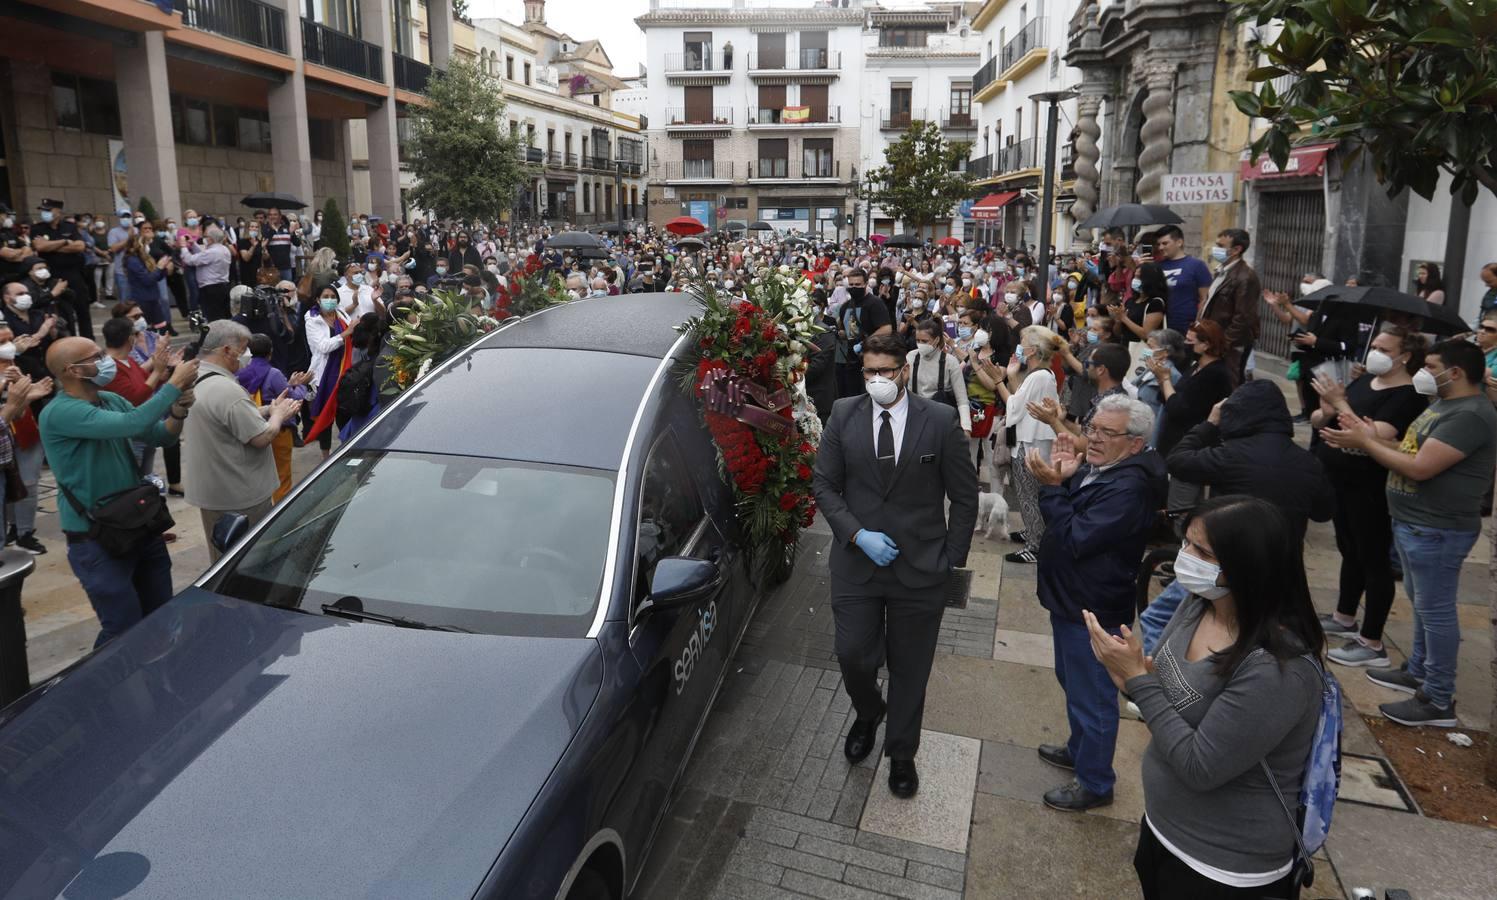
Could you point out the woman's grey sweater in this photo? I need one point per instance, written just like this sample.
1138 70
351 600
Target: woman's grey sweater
1204 790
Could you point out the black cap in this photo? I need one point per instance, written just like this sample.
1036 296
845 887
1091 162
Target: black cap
48 203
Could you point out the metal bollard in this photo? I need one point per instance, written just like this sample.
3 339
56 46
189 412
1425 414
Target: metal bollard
15 677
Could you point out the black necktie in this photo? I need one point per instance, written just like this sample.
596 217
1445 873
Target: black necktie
886 449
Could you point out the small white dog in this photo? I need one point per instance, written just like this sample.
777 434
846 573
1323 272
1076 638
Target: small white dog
992 512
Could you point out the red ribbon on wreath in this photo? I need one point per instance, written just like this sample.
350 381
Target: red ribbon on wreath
729 394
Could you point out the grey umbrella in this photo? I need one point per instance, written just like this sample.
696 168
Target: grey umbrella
268 200
761 226
1129 214
573 240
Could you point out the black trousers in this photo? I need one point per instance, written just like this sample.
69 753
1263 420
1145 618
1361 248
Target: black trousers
213 299
884 621
1164 876
1364 535
78 303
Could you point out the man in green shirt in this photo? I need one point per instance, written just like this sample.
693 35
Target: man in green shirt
1437 476
87 434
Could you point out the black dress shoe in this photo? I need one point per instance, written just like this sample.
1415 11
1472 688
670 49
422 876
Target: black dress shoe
904 781
1057 755
1075 798
860 739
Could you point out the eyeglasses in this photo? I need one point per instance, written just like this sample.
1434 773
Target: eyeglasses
1489 329
1092 431
886 373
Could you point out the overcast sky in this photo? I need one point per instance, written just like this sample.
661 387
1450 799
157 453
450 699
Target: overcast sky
610 21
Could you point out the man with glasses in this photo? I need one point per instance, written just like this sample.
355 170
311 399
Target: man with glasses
86 433
889 462
1099 511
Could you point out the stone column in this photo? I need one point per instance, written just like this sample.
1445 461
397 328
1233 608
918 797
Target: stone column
1159 120
384 155
1088 132
439 29
145 116
290 136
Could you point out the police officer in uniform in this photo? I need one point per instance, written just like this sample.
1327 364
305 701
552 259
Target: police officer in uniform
63 247
15 246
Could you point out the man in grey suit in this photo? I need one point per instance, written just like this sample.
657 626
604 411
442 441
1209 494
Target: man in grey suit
888 463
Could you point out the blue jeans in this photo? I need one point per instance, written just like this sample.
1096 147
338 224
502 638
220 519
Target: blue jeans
1091 705
1158 614
122 591
1431 559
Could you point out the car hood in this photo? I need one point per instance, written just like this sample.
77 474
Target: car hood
226 749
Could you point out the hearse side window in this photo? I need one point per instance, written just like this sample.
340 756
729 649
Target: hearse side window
669 510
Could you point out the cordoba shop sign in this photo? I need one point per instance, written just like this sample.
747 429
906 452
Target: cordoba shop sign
1207 187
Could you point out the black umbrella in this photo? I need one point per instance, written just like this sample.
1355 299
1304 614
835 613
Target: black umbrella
612 228
905 240
1128 214
691 243
1437 319
761 226
272 201
592 253
573 240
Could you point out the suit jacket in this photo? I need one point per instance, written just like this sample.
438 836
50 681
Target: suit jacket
934 466
1233 303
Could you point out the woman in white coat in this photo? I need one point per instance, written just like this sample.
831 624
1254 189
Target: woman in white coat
1031 367
356 292
325 327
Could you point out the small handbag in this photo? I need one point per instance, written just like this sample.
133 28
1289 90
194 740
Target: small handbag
123 521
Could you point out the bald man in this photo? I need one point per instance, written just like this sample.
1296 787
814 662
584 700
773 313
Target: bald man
86 433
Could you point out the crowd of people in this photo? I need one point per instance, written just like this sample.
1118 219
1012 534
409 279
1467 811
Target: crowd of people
1095 389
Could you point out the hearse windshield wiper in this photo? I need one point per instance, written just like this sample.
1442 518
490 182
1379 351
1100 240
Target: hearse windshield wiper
363 615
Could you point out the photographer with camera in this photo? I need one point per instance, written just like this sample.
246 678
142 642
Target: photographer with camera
267 309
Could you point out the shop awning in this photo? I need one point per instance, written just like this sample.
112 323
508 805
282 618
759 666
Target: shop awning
988 207
1303 161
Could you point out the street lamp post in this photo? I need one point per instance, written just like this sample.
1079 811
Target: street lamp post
1047 199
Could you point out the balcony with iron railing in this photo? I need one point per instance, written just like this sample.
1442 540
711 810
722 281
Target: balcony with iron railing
899 120
250 21
823 168
981 167
1016 157
682 117
1024 51
958 121
802 61
530 155
696 63
1067 162
330 47
699 170
411 75
629 167
985 84
790 116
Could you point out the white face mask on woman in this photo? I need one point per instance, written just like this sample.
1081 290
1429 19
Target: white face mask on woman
1378 362
1198 576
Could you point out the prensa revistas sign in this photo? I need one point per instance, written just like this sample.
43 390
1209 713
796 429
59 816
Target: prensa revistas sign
1206 187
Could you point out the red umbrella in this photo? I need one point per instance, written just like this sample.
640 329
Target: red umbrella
949 242
685 225
878 238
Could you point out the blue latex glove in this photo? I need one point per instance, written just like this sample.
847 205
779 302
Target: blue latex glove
877 546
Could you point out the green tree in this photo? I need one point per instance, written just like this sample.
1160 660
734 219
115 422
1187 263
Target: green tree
335 229
1414 83
918 182
145 208
465 165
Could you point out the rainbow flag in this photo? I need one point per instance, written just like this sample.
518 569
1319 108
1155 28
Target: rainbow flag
796 114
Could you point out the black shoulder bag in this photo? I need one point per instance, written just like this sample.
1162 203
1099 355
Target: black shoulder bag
123 521
943 393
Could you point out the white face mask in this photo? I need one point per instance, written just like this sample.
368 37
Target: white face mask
245 358
140 325
926 350
1426 383
42 274
22 302
1198 576
1138 285
7 350
884 391
1378 362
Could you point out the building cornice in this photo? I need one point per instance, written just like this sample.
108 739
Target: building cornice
565 106
918 53
692 17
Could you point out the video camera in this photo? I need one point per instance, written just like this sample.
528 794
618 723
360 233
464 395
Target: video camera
262 303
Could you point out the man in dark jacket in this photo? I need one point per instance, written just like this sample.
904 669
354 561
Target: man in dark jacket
1234 297
1098 516
1246 446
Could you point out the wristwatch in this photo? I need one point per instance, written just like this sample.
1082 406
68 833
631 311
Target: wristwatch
173 414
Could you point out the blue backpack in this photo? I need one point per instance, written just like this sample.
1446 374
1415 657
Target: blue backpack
1322 779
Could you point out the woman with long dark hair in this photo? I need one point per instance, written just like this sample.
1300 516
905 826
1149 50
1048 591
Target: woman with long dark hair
1234 684
1143 314
1431 286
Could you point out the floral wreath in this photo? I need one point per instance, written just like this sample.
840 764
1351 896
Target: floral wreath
746 363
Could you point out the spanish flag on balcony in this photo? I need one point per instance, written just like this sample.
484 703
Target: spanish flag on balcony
796 114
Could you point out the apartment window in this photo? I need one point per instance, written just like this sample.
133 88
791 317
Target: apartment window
509 67
815 97
698 105
597 99
550 140
813 49
961 104
696 51
567 144
514 129
817 157
774 158
1054 65
320 139
904 37
771 103
1023 15
899 104
254 130
197 119
342 15
86 104
697 158
585 156
527 73
530 134
771 51
985 150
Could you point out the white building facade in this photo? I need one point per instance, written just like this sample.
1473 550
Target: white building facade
917 67
755 114
1023 43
